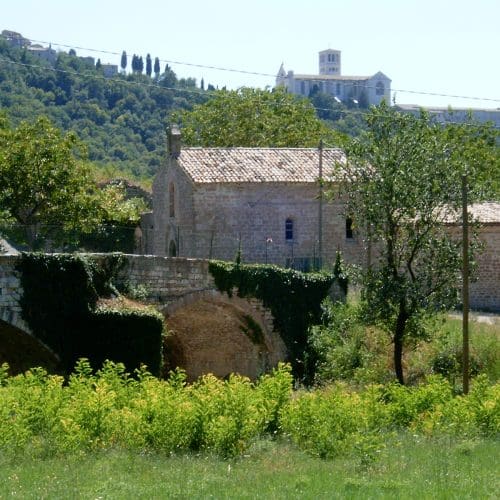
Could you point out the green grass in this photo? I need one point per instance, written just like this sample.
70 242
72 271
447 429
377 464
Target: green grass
410 467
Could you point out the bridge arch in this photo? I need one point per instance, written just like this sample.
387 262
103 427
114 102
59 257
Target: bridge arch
210 332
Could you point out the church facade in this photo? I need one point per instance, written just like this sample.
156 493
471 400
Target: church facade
350 90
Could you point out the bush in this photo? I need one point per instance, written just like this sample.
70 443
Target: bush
39 414
59 303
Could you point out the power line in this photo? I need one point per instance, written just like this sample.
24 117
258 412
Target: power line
257 73
94 75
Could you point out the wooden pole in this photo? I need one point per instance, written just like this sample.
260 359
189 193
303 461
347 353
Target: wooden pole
465 287
320 207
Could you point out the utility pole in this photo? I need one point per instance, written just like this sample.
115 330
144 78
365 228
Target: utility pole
465 286
320 207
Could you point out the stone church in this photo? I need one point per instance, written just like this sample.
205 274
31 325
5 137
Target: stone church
266 203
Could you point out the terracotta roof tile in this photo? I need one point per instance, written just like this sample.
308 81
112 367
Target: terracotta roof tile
487 213
228 165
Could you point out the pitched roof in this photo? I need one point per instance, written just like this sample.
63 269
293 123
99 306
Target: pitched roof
487 212
228 165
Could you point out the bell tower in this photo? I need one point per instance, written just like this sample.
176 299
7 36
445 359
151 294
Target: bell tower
330 62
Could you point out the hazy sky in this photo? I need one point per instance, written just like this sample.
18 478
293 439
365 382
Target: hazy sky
435 46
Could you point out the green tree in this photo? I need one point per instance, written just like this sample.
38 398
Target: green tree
43 183
402 182
123 61
253 118
149 65
156 68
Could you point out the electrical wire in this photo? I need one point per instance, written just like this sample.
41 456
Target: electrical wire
93 75
256 73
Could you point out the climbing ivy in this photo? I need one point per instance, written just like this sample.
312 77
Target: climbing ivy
294 299
59 304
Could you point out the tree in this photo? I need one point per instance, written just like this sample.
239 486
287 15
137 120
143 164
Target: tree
149 66
140 65
402 184
168 79
253 118
43 183
98 65
123 62
156 68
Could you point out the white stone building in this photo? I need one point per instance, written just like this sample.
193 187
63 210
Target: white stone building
346 89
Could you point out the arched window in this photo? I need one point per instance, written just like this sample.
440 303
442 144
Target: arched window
380 88
171 199
289 229
172 249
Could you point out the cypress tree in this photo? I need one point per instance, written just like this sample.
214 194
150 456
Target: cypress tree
123 62
149 68
157 68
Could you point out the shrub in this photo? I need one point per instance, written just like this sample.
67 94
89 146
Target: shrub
59 303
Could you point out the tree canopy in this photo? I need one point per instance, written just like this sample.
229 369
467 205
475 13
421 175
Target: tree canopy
253 118
47 187
402 185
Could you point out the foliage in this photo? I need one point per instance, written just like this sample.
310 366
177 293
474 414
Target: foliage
403 183
43 183
50 197
346 348
41 415
339 343
110 408
59 304
340 273
121 120
253 118
336 420
294 299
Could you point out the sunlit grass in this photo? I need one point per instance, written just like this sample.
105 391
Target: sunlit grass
409 467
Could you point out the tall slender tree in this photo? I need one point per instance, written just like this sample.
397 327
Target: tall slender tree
123 62
149 65
156 68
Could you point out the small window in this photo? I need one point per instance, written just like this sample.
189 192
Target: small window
380 88
171 200
289 230
349 234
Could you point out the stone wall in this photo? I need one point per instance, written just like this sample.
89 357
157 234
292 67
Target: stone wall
167 279
10 293
485 291
211 221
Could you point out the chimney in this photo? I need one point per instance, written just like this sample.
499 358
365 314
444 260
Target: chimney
174 141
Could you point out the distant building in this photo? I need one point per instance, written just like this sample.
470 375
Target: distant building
46 53
109 70
15 39
456 115
347 89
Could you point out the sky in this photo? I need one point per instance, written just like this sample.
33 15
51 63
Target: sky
449 47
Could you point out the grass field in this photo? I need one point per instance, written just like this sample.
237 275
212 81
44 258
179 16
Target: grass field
410 467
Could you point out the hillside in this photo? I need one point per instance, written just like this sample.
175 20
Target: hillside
122 120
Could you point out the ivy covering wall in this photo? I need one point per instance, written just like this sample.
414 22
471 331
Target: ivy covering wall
294 299
59 304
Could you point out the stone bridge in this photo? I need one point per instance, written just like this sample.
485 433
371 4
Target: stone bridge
210 332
